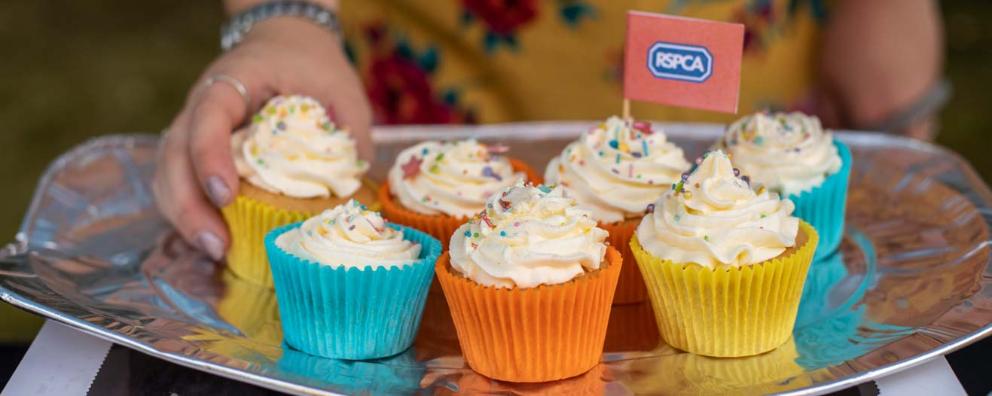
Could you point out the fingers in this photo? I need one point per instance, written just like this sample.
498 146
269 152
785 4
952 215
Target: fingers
179 197
217 111
351 109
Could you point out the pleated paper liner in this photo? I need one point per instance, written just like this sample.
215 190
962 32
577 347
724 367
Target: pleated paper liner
537 334
248 220
351 313
823 207
771 372
439 226
728 311
630 288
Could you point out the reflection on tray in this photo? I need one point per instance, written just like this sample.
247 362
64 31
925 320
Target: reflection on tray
770 372
593 382
400 374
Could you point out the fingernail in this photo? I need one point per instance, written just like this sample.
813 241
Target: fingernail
210 244
217 191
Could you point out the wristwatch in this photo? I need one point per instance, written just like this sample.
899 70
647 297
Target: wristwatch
232 32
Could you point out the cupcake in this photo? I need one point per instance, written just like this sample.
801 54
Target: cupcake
530 282
724 264
293 163
791 154
436 187
348 284
615 171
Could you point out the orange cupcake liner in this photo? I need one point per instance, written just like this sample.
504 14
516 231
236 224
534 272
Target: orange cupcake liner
630 289
537 334
438 226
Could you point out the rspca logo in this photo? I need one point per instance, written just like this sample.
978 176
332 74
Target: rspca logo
680 62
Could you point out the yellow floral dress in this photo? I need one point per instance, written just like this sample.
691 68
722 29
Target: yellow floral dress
465 61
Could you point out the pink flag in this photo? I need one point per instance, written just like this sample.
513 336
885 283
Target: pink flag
683 61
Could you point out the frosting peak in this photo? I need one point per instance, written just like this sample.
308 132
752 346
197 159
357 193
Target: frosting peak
349 235
786 152
293 148
453 178
616 169
713 217
528 236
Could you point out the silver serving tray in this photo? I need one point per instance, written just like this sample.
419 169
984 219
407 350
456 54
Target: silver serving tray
912 280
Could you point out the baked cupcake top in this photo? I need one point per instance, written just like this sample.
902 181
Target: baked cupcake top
528 236
617 169
349 235
786 152
293 148
451 178
713 218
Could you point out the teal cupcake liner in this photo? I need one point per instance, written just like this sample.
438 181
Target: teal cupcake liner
823 207
351 313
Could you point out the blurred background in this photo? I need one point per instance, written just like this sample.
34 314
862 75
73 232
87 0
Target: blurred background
75 70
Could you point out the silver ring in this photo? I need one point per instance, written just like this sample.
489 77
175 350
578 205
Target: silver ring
234 83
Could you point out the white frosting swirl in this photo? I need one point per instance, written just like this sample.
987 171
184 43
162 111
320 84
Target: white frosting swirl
713 218
454 179
617 169
293 149
528 236
786 152
351 236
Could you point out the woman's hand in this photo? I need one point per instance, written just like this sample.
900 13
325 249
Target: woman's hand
283 55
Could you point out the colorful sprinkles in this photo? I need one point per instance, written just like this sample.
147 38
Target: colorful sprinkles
412 167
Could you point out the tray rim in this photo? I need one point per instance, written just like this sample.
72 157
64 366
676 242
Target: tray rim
486 131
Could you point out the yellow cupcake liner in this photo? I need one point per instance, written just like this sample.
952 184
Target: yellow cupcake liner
727 311
248 221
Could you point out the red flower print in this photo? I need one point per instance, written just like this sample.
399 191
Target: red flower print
401 93
503 17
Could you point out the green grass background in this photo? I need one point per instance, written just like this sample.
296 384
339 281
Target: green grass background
74 70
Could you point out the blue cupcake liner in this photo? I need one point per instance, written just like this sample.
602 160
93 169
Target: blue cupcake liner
823 207
351 313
